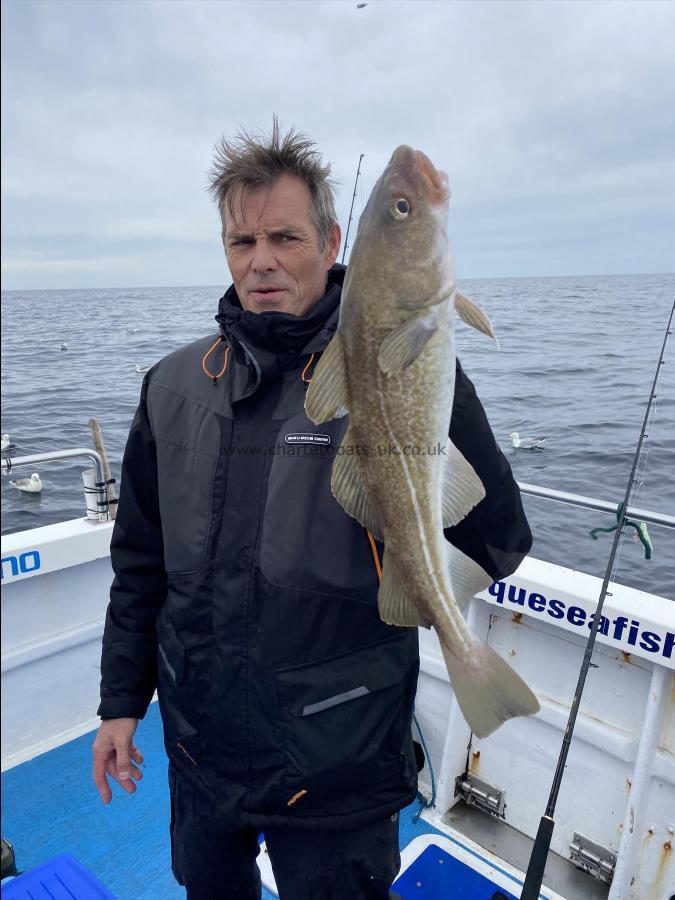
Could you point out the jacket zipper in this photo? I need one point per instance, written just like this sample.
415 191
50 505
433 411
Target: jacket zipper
192 760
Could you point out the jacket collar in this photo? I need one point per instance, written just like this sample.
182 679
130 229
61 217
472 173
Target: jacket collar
275 342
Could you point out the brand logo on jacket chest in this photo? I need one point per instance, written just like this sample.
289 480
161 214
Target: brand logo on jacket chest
306 437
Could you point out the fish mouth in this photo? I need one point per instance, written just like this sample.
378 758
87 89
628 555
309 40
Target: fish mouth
418 170
437 178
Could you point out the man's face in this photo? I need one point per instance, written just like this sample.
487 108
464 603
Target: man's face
273 248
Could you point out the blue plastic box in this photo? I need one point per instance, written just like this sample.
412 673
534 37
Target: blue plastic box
436 874
61 878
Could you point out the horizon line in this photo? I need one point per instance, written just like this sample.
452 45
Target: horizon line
157 287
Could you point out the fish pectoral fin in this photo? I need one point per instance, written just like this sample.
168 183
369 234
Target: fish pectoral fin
462 488
394 605
473 315
348 488
404 344
326 396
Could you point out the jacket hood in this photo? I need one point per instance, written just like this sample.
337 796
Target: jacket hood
278 340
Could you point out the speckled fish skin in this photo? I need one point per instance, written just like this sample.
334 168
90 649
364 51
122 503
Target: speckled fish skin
391 366
398 268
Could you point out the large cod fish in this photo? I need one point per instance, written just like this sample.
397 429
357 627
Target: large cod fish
391 366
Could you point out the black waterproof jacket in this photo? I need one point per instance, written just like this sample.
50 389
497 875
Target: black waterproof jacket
248 598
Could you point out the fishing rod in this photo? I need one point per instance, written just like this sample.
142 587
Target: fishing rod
358 172
542 843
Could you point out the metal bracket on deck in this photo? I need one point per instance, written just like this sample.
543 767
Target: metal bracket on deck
593 858
481 794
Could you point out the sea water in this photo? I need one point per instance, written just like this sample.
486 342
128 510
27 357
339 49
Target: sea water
576 365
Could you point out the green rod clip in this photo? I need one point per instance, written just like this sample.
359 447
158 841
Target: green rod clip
640 531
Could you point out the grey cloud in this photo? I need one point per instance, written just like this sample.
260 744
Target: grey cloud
554 120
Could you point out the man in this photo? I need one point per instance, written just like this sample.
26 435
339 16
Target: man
246 595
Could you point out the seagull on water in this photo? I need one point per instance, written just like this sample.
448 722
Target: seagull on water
64 346
526 443
142 369
32 485
6 442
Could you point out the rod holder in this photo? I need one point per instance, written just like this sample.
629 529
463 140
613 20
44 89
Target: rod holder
103 514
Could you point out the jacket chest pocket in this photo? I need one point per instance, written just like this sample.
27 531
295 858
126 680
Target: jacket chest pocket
345 721
188 442
308 541
185 479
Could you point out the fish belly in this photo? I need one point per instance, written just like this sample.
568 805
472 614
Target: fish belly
398 422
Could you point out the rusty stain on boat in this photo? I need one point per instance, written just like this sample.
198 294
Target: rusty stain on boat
665 859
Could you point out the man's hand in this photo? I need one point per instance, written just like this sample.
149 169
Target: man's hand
113 752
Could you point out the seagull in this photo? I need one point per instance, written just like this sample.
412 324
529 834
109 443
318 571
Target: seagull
142 369
361 5
31 485
6 442
132 330
64 346
526 443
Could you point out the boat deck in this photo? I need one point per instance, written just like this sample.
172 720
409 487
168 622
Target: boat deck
50 807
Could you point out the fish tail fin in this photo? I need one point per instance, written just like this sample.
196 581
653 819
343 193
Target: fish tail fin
488 690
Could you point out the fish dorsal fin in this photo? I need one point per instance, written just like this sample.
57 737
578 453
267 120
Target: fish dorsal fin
326 396
394 605
404 344
348 488
462 489
473 315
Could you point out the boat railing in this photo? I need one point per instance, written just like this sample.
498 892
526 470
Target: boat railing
94 481
578 500
101 512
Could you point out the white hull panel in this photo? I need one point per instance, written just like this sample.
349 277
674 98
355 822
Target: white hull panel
53 621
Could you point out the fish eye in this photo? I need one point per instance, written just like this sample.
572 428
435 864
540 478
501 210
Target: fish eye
400 208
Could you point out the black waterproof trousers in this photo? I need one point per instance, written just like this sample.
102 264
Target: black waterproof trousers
216 864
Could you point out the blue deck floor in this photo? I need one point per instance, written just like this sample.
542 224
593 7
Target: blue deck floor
50 806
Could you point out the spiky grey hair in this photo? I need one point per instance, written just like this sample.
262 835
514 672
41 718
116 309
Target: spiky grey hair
253 160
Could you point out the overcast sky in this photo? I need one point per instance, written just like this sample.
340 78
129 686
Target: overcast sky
554 120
